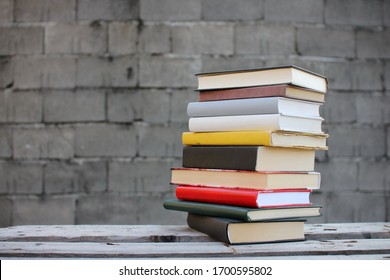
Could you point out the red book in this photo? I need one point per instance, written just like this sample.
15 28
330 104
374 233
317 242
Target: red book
245 197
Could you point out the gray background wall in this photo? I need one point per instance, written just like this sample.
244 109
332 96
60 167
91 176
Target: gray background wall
93 97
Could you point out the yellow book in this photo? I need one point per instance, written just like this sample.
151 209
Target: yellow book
257 138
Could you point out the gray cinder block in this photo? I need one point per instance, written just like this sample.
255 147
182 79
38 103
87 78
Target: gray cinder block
43 142
330 42
105 140
107 9
74 106
170 10
101 71
161 71
43 210
354 12
77 176
21 40
21 178
83 38
310 11
32 72
203 39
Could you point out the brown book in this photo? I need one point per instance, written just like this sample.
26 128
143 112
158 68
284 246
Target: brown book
239 232
262 91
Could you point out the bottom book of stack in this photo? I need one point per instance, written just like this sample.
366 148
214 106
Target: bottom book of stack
245 225
237 232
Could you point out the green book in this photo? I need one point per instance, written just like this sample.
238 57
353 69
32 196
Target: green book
242 213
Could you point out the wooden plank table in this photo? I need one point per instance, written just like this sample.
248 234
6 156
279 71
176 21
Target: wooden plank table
323 241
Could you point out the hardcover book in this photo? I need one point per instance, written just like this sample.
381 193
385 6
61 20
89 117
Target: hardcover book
255 122
262 76
245 197
262 91
247 214
254 106
238 232
245 179
256 158
256 138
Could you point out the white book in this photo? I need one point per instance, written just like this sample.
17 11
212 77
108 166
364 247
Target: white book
254 106
255 122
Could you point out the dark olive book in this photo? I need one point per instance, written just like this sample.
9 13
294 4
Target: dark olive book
237 232
255 158
245 214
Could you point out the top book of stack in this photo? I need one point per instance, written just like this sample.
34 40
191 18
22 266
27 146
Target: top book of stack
289 81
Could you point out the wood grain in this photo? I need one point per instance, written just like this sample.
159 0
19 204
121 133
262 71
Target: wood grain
169 233
324 241
192 249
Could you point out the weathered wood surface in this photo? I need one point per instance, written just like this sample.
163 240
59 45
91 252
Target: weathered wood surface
324 241
158 233
192 249
103 233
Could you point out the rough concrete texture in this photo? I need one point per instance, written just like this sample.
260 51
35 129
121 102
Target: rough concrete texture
93 98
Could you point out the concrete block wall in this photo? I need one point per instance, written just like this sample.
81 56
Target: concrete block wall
93 97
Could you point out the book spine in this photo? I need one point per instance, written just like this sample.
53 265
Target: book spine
241 93
245 179
236 138
220 157
234 107
245 198
215 228
234 123
208 209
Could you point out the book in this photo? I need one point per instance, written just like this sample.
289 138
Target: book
289 74
255 122
237 232
256 138
254 106
247 214
262 91
256 158
245 179
245 197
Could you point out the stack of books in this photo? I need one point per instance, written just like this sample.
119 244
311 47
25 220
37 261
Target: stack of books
249 155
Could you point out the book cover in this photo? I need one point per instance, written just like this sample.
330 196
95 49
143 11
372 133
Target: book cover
256 158
254 106
237 232
256 138
245 197
245 179
262 91
247 214
255 122
289 74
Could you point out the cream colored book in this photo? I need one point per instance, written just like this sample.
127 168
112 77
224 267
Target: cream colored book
290 74
245 179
